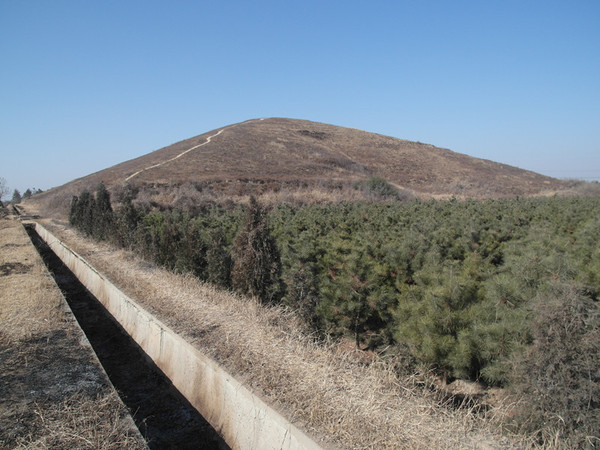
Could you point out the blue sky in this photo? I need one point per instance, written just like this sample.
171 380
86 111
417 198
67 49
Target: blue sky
85 85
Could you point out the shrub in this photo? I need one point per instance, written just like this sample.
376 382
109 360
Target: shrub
379 187
559 376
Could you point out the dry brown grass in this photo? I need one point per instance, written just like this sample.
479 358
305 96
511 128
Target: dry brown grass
30 302
299 161
39 343
324 389
80 422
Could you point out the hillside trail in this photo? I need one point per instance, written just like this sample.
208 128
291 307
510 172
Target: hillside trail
208 139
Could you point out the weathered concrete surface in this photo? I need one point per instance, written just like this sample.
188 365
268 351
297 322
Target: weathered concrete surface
243 420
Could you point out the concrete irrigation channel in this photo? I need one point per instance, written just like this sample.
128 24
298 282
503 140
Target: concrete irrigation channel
181 397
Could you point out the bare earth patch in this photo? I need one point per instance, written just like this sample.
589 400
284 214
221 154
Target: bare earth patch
14 267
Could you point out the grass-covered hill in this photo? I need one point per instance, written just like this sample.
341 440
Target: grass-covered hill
312 162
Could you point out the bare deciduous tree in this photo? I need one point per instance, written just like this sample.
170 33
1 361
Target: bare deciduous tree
4 189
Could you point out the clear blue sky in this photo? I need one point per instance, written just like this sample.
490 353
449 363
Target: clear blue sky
88 84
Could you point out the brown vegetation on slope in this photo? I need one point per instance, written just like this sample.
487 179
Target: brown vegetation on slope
284 157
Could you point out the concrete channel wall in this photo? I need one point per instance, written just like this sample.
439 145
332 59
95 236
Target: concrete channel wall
241 418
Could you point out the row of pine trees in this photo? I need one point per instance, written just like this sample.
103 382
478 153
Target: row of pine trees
501 291
17 197
250 263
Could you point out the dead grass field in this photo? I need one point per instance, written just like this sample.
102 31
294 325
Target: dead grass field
344 400
53 392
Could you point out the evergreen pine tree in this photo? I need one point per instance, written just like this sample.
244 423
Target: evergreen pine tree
218 259
74 212
169 240
191 256
102 224
126 220
85 212
257 262
303 294
16 198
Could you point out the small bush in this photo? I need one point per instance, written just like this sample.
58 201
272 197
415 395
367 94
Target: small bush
379 187
559 377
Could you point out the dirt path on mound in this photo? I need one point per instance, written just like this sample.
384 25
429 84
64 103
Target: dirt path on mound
175 157
208 139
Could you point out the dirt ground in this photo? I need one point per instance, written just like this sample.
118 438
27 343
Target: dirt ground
53 391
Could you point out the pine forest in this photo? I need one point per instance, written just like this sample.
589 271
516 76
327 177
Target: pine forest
503 292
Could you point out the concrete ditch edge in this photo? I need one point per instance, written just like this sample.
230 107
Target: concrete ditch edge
241 418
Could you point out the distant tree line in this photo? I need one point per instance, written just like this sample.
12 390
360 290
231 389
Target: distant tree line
501 291
17 197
